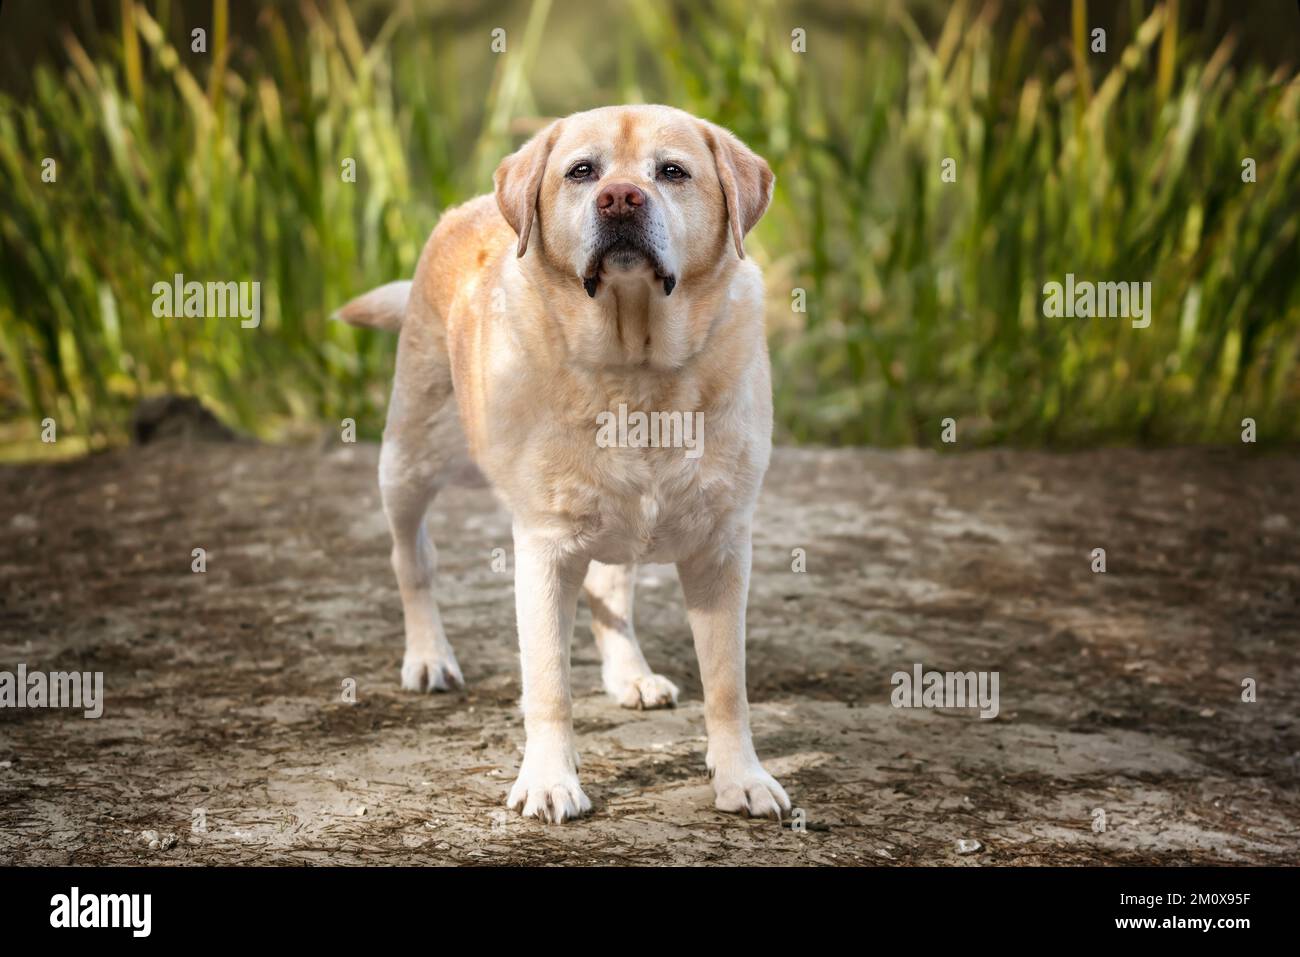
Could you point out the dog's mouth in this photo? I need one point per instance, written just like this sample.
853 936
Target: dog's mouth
624 251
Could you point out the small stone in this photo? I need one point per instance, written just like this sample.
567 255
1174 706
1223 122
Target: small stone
176 417
361 811
967 847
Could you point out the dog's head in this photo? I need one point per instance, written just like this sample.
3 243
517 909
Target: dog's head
633 193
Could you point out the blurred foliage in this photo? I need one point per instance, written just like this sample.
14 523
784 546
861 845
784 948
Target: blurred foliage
924 297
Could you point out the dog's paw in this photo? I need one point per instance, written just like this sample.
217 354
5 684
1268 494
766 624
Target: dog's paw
750 790
431 671
644 692
553 796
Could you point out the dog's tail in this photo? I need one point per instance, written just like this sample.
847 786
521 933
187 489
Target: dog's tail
380 308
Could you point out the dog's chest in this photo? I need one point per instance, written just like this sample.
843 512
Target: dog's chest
651 505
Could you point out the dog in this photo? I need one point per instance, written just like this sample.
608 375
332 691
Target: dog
606 272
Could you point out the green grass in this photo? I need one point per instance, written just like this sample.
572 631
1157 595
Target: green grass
924 298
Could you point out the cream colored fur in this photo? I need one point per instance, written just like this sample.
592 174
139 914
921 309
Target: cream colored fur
498 317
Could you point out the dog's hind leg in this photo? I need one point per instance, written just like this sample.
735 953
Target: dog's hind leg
421 439
627 678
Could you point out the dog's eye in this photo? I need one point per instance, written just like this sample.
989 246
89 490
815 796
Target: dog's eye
580 171
673 171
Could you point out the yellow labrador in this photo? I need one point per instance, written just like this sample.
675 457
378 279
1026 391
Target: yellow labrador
605 278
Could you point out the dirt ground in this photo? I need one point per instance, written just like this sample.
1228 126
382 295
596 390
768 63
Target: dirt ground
1120 692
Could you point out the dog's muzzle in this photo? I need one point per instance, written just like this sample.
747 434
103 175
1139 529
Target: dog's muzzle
625 237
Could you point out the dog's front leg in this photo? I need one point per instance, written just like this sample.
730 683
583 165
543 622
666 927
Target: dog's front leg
716 585
547 581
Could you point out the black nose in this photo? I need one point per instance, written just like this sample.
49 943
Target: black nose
620 201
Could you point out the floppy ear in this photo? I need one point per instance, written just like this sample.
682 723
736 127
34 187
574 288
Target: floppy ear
518 181
746 181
